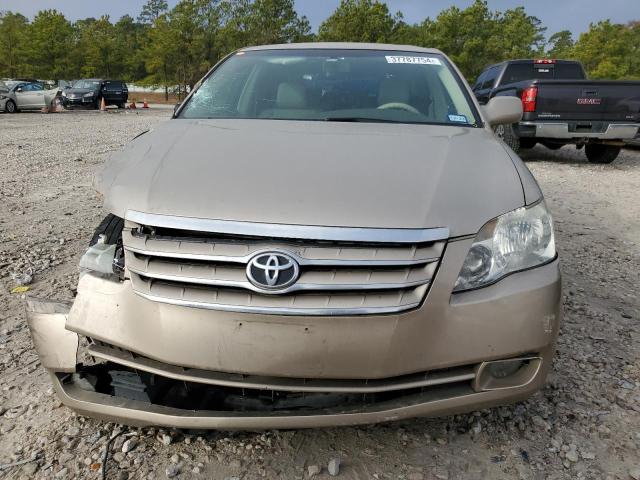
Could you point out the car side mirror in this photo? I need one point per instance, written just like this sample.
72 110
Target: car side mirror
502 110
19 89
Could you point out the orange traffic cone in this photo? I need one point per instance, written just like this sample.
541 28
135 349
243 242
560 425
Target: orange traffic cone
145 104
103 105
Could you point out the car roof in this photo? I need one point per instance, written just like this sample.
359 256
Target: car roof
343 46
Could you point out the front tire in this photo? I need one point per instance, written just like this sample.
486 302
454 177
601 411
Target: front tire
111 227
10 107
598 153
508 135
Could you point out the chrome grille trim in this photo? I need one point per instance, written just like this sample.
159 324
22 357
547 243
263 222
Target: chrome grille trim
323 312
296 287
279 230
302 261
208 269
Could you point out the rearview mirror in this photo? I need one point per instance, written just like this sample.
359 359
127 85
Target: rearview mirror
502 110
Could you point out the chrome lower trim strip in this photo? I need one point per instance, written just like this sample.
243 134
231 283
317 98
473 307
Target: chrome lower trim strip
301 260
278 230
207 377
615 131
324 312
318 287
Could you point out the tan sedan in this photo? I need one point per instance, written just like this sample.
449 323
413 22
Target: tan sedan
324 234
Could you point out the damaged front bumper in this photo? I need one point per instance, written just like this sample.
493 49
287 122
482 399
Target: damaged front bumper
120 357
56 346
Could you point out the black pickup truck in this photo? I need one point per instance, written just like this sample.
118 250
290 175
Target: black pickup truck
562 107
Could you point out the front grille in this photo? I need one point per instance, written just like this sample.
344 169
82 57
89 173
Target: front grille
208 270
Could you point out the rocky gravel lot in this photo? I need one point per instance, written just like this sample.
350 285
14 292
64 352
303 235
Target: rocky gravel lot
584 425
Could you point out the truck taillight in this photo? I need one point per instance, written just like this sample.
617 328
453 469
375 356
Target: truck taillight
529 96
546 61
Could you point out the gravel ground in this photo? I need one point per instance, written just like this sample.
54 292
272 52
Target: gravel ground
583 424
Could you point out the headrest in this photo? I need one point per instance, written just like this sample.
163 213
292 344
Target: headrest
291 96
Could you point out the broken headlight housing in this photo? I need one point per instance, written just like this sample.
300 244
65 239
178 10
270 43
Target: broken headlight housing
105 259
518 240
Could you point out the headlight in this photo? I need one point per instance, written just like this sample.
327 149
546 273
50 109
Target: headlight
515 241
88 95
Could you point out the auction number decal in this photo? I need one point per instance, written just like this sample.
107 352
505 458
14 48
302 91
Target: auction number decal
413 60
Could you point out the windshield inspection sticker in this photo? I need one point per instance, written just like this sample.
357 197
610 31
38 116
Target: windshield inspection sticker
458 118
413 60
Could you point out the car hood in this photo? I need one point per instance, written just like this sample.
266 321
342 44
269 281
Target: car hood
376 175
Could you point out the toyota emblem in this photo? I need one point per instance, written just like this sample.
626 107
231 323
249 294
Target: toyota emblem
272 270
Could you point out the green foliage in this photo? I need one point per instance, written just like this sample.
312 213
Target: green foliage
359 21
276 21
610 50
13 29
49 37
152 10
102 52
171 47
475 37
560 45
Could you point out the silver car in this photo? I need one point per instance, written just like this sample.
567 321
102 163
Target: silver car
324 234
17 95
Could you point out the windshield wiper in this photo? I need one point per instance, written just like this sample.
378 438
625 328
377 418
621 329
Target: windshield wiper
358 119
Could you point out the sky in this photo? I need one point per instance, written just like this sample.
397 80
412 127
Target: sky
556 15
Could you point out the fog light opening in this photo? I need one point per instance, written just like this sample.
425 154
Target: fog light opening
509 373
504 369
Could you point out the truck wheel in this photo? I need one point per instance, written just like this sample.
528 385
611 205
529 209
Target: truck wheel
598 153
507 134
10 107
111 226
527 143
553 146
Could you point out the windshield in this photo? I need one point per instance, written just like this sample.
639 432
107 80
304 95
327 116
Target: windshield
87 84
518 72
334 85
8 85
